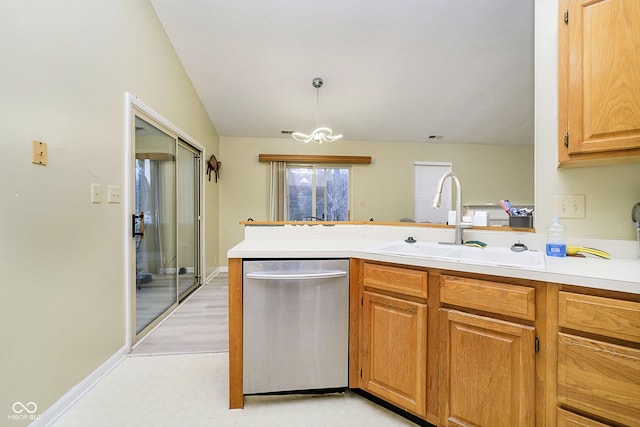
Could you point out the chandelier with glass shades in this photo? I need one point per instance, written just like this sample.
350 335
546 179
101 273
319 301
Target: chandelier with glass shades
319 135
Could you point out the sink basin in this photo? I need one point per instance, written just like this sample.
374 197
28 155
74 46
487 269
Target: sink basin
494 256
422 249
499 257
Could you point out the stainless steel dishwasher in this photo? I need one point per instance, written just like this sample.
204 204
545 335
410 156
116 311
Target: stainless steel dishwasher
295 325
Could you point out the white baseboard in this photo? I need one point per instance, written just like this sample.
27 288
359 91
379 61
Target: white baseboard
63 404
217 271
55 411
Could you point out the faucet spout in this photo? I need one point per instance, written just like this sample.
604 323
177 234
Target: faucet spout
436 204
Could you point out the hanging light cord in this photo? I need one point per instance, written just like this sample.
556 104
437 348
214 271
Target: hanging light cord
317 107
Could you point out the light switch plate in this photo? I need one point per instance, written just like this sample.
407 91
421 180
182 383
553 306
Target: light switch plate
114 194
96 193
40 155
570 206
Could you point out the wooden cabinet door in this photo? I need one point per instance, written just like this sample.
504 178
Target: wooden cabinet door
488 371
394 350
599 78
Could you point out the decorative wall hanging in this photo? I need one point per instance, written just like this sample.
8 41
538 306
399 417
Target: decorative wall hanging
213 166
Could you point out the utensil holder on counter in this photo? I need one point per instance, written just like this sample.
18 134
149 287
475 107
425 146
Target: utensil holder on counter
521 221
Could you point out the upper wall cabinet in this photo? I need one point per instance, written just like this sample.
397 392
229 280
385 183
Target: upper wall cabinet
598 82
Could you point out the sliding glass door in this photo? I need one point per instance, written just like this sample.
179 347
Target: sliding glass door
188 219
165 223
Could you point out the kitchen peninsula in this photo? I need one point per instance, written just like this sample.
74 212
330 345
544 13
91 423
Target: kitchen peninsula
427 335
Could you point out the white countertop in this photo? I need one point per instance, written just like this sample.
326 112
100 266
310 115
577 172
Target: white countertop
620 273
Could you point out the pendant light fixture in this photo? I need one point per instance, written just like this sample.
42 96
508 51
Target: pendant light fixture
319 135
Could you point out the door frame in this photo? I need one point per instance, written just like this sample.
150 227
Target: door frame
198 156
132 105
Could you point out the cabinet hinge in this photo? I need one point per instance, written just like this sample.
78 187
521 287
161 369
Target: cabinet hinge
537 345
566 16
566 139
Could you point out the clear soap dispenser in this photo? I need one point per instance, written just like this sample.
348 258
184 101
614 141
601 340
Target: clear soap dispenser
556 240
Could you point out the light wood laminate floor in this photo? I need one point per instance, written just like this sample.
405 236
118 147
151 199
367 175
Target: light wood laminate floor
199 325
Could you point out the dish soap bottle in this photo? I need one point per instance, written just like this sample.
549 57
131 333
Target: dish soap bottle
556 243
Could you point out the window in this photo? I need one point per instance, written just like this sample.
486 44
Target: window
303 187
427 175
317 192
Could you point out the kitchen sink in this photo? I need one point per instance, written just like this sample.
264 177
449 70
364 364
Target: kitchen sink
494 256
421 249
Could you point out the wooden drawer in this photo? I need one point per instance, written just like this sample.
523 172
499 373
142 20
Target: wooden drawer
492 297
395 279
603 316
599 378
569 419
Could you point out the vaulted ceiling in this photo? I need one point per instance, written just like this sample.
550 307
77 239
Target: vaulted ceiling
393 70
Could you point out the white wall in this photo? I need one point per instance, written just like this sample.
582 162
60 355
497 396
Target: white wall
66 66
610 191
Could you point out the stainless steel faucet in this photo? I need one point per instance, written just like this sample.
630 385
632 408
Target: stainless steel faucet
436 205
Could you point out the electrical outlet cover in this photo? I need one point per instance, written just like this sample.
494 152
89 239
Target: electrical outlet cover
114 194
570 206
96 193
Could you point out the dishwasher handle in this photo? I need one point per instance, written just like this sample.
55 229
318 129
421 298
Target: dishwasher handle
277 275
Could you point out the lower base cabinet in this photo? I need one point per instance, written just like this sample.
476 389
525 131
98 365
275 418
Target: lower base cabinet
487 371
394 349
599 378
481 344
598 360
